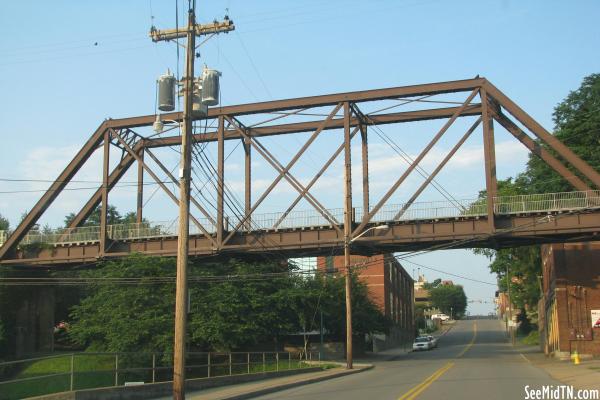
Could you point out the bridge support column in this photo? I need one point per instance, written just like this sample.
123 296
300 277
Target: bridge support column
248 182
140 189
491 184
35 323
104 209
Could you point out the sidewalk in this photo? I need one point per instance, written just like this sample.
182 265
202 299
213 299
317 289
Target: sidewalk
586 375
259 388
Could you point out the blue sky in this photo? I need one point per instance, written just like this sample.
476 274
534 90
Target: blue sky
67 65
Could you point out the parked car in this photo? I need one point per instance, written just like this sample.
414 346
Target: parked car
433 340
423 343
443 317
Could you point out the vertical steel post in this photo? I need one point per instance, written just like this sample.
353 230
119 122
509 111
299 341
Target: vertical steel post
208 364
229 363
248 182
181 289
104 208
289 360
277 361
348 231
140 189
264 362
365 168
490 157
220 179
117 369
153 367
248 362
72 383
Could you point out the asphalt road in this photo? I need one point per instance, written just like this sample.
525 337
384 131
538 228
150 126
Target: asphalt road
473 361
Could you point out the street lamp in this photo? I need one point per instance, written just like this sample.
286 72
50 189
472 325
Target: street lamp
349 292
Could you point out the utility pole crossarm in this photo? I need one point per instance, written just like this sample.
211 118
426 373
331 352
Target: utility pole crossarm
200 29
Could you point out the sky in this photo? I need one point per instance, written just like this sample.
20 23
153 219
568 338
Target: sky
67 65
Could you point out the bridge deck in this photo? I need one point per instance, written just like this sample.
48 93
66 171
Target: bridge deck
519 220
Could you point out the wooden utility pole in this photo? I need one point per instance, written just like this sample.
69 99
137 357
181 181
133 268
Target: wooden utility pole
348 231
181 292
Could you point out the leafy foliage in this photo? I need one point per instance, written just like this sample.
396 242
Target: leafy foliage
4 224
112 217
226 314
449 299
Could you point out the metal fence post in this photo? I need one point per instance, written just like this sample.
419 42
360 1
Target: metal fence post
289 360
277 361
153 367
264 365
230 363
117 369
248 362
209 364
72 371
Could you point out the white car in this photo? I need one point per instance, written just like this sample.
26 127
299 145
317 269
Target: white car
423 343
442 317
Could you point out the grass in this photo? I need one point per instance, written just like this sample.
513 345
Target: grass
532 339
93 371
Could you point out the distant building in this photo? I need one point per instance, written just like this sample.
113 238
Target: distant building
390 288
569 310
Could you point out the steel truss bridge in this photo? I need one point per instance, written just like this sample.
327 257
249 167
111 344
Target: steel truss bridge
493 221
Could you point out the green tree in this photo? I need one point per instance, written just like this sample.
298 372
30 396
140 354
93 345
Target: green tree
112 217
449 299
4 224
234 305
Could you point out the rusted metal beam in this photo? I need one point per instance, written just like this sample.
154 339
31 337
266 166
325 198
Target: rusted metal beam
104 209
539 131
161 184
140 191
175 181
489 157
539 151
247 180
313 101
464 232
437 169
311 126
282 172
415 163
314 179
55 189
114 177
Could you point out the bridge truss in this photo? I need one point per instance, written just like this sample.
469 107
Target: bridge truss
240 234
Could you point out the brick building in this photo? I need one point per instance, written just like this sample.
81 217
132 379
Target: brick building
390 288
570 299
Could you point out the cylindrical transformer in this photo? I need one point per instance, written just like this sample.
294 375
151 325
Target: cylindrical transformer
210 86
166 92
199 109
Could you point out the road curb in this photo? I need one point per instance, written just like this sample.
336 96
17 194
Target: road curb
278 388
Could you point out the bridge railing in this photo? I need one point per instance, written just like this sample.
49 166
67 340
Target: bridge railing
74 371
547 202
503 205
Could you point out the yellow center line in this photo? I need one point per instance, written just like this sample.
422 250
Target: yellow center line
415 391
462 353
418 389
